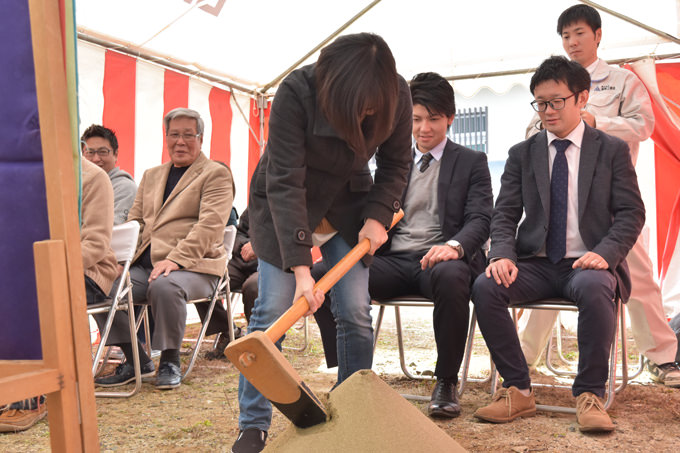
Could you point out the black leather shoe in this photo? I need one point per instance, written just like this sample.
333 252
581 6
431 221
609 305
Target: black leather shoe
222 343
249 440
169 376
444 401
125 372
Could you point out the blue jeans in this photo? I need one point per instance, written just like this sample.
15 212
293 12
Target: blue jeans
352 311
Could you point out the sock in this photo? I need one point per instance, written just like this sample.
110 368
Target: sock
127 350
525 392
170 355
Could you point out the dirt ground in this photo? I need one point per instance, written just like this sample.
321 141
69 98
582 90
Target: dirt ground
202 415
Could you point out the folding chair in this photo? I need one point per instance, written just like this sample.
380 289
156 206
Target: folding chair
612 389
305 331
123 243
221 292
423 302
556 340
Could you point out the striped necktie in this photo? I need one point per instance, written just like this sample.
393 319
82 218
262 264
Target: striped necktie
425 161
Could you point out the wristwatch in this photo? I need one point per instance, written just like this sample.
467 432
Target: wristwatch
456 246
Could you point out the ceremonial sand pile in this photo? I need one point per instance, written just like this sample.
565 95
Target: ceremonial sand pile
366 415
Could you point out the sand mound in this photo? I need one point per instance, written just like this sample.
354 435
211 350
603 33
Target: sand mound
366 415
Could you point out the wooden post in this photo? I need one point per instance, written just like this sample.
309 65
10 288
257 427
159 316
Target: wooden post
62 207
57 345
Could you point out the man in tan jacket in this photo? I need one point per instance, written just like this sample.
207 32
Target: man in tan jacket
99 264
182 207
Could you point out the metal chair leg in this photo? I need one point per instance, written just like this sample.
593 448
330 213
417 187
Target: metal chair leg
305 344
135 357
201 335
378 324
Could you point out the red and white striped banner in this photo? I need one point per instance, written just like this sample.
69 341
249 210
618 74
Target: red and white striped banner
131 96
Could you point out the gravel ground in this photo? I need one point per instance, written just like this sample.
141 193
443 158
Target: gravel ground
201 416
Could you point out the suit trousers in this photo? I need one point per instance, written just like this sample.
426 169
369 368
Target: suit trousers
592 291
168 298
447 284
244 280
653 336
399 274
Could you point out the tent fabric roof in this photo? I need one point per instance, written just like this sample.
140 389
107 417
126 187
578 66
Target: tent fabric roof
254 41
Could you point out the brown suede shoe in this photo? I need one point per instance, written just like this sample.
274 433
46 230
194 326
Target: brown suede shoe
15 420
508 404
591 415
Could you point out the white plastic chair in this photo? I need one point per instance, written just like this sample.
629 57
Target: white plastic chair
124 244
221 292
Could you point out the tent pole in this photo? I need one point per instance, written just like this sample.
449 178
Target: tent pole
262 106
618 61
319 46
633 21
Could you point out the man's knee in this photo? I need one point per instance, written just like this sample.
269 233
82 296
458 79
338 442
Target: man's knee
451 274
588 282
165 290
483 289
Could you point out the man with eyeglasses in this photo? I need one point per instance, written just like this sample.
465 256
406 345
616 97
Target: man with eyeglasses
618 105
100 146
577 189
182 207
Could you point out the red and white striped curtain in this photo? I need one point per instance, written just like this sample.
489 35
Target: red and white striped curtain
663 84
132 96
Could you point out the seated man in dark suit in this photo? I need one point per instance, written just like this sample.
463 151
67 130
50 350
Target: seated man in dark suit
436 250
242 269
577 189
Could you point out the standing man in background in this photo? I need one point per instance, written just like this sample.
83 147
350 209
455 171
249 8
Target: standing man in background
619 105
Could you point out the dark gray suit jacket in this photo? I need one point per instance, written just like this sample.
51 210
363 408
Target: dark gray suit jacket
611 211
464 202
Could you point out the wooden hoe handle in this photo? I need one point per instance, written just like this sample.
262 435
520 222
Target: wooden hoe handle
300 307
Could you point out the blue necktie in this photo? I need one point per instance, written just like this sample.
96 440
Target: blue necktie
425 161
556 243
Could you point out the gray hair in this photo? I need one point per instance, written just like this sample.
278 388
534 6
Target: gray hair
184 113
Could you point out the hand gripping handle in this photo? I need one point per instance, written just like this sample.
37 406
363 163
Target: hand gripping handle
300 307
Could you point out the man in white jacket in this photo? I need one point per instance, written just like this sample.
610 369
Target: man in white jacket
619 105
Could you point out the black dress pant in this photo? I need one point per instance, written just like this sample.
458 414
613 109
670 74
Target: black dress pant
447 284
592 291
243 277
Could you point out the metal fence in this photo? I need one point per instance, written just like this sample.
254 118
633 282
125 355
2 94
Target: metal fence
470 128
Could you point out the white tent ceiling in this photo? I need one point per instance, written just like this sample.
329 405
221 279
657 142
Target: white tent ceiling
252 42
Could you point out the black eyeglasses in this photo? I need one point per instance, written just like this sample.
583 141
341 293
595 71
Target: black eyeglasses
555 104
186 137
101 152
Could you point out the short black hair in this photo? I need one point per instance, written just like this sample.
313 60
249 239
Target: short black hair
576 13
560 69
353 74
96 130
433 92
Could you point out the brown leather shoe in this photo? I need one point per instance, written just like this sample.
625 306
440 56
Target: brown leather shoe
591 415
508 404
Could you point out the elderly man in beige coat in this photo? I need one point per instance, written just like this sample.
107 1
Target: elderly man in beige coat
182 207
